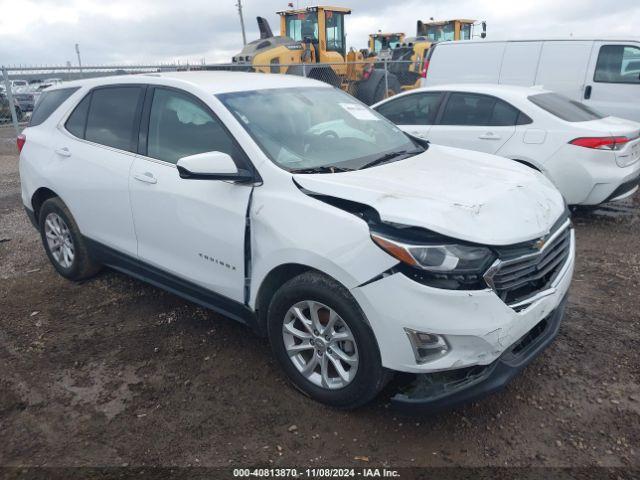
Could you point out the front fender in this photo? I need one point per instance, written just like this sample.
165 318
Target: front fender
293 228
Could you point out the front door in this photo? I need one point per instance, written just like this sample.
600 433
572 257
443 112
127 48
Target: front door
414 113
193 229
613 82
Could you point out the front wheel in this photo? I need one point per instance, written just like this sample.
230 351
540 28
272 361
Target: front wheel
321 339
386 89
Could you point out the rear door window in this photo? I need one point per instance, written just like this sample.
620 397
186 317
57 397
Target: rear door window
504 115
471 109
468 109
48 103
113 115
413 109
564 108
618 64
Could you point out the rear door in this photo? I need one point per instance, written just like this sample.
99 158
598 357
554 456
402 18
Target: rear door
520 63
414 113
563 66
475 122
94 152
465 62
194 229
613 83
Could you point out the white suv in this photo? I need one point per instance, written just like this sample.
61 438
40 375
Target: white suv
284 203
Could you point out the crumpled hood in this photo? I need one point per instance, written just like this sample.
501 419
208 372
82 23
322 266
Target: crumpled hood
459 193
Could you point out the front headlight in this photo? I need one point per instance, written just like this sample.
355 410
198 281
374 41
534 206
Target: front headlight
443 264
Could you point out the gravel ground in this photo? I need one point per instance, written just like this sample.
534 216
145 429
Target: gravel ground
115 372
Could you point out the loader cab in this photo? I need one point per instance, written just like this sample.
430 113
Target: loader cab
447 30
322 27
379 42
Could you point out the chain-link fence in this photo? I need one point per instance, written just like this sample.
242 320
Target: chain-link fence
369 81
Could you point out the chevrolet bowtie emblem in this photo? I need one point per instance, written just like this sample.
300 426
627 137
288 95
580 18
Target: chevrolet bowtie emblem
539 244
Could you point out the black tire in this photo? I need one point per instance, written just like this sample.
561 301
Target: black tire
370 376
373 89
326 75
83 265
381 92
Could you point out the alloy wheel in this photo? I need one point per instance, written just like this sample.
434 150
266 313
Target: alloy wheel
320 345
59 240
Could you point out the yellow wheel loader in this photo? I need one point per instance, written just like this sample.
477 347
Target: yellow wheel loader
312 43
409 56
381 44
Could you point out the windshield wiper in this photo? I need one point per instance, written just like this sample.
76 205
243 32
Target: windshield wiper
387 157
322 169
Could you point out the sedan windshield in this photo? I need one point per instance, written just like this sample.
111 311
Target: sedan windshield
318 129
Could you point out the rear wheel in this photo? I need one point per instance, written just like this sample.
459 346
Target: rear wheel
63 243
322 341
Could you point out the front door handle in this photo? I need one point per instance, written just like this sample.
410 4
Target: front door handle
146 177
489 136
63 152
587 92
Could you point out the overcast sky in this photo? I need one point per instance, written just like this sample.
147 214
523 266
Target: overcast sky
135 31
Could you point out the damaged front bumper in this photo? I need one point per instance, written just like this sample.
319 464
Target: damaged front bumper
433 392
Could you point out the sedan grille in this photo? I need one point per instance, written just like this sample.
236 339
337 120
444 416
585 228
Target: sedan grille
518 277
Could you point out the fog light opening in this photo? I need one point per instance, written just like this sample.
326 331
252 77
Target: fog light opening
427 346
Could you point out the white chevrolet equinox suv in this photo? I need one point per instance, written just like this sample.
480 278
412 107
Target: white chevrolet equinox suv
285 204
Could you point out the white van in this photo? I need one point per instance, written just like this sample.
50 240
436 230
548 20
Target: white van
604 74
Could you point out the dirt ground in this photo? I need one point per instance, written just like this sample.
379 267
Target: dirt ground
114 372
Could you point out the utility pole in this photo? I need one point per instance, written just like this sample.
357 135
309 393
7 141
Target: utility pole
244 35
79 61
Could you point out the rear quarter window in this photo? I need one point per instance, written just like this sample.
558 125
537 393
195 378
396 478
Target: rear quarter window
49 103
564 108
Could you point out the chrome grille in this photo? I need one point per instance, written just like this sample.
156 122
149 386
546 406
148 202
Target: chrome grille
517 279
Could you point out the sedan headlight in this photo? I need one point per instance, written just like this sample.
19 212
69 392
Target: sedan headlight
443 264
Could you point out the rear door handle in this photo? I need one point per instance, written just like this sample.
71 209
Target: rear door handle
587 92
489 136
63 152
146 177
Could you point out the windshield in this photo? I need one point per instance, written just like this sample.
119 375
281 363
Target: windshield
317 127
437 33
382 42
302 25
564 108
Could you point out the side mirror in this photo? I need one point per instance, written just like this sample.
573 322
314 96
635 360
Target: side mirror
212 166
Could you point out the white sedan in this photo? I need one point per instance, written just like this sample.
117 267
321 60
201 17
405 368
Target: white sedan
589 157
